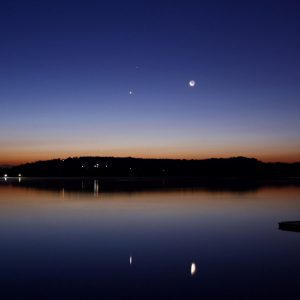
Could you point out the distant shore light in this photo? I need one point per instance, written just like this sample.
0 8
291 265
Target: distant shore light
19 175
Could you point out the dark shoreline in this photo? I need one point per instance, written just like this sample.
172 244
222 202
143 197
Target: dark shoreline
116 167
115 184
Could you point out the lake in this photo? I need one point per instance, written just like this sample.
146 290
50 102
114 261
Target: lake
71 239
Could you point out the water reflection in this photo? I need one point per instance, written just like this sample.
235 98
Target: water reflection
69 246
143 184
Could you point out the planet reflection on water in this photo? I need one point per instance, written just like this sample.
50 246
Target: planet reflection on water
193 269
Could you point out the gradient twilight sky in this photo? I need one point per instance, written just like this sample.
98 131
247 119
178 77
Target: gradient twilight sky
67 69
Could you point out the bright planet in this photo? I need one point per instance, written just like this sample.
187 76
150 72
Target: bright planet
192 83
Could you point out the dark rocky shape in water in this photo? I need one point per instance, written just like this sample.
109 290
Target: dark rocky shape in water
290 226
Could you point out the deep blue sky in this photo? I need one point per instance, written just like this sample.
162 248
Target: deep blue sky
67 67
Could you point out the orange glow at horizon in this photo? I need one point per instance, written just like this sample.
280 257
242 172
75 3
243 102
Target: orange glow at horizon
15 157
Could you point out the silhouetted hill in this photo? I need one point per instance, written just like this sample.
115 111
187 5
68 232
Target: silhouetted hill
136 167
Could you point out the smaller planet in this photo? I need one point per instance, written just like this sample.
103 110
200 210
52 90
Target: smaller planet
192 83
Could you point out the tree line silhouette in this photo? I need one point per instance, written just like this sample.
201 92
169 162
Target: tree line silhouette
240 167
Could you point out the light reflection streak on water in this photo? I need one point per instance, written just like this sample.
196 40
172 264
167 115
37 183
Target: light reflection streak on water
96 188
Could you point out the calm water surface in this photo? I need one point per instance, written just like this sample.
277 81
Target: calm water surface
158 244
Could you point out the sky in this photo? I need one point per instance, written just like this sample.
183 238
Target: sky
111 78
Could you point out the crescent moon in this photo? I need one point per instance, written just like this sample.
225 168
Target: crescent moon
192 83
